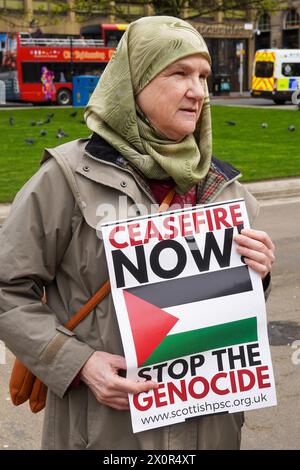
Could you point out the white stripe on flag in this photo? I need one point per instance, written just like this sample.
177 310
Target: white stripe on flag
211 312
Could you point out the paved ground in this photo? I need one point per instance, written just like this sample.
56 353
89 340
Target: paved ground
279 427
19 428
271 428
246 101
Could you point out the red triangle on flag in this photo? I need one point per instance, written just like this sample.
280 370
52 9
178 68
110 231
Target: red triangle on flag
149 325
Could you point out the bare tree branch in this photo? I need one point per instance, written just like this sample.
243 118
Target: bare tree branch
87 9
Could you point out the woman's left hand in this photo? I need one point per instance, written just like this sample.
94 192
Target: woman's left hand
258 250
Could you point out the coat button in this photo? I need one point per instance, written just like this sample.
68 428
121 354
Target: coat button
123 184
86 168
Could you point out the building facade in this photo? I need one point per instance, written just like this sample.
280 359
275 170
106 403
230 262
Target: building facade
279 30
232 36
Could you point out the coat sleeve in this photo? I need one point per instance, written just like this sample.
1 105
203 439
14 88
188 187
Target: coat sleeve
33 240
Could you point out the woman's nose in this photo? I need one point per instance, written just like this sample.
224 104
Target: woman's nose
196 89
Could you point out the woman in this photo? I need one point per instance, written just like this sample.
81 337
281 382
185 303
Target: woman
150 119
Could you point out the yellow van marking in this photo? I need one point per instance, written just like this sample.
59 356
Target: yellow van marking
283 84
265 57
259 83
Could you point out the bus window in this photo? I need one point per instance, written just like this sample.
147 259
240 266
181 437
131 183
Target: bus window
264 69
291 69
88 68
112 37
32 71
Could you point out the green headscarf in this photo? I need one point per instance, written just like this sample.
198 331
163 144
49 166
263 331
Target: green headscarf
148 46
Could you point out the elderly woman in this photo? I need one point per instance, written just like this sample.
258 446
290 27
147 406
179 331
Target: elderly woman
150 119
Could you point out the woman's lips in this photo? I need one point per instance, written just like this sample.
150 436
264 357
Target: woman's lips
190 112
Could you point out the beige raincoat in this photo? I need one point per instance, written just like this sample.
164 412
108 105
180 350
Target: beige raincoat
50 241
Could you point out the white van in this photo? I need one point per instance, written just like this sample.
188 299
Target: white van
276 74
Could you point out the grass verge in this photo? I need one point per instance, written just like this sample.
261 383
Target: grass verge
260 153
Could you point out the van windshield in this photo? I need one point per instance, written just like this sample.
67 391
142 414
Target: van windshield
291 69
264 69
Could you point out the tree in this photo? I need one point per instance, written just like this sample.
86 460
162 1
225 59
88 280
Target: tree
187 9
126 10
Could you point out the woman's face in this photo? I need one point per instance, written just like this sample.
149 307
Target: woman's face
173 100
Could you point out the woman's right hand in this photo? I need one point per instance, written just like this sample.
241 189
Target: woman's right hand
100 374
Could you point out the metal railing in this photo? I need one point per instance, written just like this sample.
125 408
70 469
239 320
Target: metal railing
61 42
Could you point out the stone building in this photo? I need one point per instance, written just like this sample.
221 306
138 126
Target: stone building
279 30
232 36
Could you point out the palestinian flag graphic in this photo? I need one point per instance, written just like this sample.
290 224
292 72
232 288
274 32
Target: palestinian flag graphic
162 328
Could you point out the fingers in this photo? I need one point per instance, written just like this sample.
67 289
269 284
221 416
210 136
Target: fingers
117 362
262 269
121 384
111 394
257 249
100 373
129 386
259 235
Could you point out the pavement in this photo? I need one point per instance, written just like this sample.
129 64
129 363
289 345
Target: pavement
264 191
275 188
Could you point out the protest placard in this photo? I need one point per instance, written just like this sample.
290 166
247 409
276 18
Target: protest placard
191 314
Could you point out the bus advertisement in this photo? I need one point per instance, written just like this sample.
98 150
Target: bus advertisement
41 69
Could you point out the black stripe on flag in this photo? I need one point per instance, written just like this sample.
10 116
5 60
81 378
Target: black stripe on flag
195 288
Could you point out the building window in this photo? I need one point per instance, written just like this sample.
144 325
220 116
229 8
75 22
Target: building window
47 7
264 23
263 32
235 14
12 5
40 7
290 33
292 19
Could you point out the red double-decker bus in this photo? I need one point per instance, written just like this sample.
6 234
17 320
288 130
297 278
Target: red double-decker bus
40 69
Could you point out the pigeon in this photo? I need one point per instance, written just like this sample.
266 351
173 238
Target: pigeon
50 116
33 123
291 128
264 125
73 114
11 121
40 123
47 121
231 123
43 132
61 133
30 141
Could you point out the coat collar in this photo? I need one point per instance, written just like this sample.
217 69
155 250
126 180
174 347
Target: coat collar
97 149
102 164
